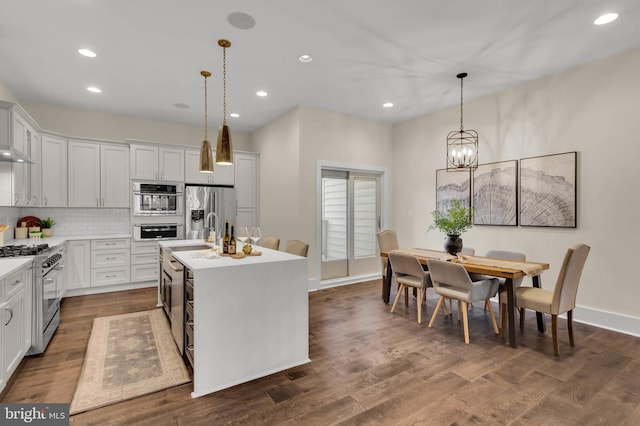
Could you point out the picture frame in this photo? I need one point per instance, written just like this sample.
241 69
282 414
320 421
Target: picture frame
495 194
548 190
452 186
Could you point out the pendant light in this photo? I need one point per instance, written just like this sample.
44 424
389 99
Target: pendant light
224 147
462 145
206 158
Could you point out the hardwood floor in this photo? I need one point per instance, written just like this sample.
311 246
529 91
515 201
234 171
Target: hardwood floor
373 367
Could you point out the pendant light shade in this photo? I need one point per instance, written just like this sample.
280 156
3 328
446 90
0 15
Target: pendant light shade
462 145
206 157
224 147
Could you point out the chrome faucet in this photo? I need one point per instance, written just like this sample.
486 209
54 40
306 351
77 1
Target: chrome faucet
215 226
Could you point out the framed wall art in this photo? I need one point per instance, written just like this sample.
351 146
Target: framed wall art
495 194
452 186
548 188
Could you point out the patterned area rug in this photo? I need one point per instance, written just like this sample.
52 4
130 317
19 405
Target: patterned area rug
128 356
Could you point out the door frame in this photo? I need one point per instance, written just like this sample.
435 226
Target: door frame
384 211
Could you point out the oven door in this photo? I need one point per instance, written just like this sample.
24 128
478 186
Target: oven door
151 199
51 287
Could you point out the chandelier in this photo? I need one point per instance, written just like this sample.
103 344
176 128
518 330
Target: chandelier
462 145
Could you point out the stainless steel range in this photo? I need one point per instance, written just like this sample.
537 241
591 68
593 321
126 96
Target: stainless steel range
48 264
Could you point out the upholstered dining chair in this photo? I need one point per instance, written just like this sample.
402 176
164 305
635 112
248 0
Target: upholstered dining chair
505 255
452 281
563 297
297 247
271 242
469 251
387 241
408 272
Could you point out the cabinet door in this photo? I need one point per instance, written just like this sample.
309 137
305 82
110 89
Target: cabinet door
28 307
21 171
144 162
78 264
114 176
12 333
246 183
54 171
35 170
171 166
223 174
192 173
247 217
84 174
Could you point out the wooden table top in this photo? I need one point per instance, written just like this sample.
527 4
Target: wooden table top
500 268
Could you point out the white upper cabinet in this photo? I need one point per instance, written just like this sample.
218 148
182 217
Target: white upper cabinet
222 174
98 175
151 162
26 176
54 171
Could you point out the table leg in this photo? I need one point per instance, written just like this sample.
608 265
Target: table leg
511 312
539 315
386 283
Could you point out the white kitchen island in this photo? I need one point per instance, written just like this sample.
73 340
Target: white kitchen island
251 316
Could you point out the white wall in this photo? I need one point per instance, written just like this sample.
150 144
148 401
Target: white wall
592 109
96 125
290 148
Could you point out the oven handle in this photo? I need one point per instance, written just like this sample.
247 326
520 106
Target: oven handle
158 193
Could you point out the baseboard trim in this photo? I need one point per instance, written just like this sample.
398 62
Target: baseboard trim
108 289
337 282
607 320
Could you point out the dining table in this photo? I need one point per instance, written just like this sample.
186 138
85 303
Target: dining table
502 268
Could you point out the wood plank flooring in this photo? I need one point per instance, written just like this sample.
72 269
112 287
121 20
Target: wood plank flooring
371 367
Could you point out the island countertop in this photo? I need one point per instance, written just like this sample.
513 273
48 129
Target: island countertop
198 260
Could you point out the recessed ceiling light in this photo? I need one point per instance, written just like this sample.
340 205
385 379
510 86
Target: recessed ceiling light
180 105
387 104
234 115
6 153
305 58
606 18
261 93
88 53
94 89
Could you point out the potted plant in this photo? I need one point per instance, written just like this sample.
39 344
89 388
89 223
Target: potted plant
453 223
47 225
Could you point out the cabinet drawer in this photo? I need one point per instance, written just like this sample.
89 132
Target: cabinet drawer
117 243
141 259
145 248
188 287
108 258
149 272
109 276
190 316
12 284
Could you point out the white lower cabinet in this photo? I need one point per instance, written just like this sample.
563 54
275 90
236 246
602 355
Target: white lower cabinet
145 261
78 264
110 262
15 314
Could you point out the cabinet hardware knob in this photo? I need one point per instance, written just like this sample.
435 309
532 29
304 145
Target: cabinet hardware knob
11 317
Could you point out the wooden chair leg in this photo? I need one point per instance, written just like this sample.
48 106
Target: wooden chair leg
493 317
570 326
395 302
435 311
554 333
521 318
466 321
419 300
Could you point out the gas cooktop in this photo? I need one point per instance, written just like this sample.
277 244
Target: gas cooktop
22 250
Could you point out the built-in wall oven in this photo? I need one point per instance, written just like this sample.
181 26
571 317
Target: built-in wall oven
157 199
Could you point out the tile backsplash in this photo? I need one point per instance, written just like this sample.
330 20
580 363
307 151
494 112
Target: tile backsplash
73 221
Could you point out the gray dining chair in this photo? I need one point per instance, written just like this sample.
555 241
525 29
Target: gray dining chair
408 272
297 247
452 281
559 300
469 251
387 241
502 297
271 242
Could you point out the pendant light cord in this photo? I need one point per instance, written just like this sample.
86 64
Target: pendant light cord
461 128
224 86
206 124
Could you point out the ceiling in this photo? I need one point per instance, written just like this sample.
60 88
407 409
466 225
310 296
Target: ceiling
365 53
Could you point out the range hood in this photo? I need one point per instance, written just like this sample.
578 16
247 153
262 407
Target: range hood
11 155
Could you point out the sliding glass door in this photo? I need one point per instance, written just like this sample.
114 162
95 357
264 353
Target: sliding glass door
350 222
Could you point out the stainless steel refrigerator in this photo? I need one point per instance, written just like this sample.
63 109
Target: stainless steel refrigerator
206 209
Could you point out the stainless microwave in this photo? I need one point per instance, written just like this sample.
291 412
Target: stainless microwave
157 231
157 199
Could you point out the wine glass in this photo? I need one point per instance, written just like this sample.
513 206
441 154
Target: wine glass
255 234
242 234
